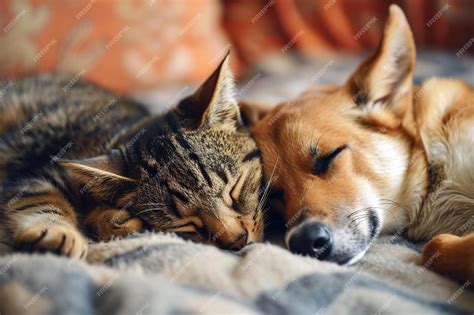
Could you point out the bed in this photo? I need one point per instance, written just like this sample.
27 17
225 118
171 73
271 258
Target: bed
158 273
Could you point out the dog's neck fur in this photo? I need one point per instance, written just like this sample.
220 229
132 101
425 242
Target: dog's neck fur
401 214
428 193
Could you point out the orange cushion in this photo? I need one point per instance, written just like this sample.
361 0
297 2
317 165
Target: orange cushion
123 45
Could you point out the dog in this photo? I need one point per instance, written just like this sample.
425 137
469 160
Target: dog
373 156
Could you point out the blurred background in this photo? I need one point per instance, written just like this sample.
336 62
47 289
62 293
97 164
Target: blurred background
158 50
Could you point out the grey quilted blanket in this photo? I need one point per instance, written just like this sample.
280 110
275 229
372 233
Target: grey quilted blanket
162 274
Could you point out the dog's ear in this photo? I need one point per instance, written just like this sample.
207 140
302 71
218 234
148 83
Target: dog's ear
385 78
252 112
213 105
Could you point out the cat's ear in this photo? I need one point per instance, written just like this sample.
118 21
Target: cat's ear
386 77
214 105
101 176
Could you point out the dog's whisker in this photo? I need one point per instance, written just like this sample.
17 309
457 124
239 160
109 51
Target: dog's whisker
392 202
357 212
357 221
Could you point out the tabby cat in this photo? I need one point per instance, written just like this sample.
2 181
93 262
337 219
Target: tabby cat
76 160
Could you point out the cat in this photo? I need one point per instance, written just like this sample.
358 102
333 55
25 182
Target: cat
79 162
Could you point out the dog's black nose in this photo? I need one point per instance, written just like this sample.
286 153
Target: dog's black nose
311 239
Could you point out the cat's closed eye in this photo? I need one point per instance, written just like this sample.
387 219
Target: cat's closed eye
236 191
187 228
189 225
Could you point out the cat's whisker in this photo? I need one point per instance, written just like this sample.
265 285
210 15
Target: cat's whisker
148 210
265 194
148 204
152 204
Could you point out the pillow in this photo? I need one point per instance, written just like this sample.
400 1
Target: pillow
123 45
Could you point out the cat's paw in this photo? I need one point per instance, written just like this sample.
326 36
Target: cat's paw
60 239
108 223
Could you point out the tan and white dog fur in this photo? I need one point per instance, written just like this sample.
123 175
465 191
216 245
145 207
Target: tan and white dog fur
377 155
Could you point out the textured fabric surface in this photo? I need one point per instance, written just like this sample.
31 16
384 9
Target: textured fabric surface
122 45
140 44
161 274
257 28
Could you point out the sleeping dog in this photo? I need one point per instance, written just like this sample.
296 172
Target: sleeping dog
375 155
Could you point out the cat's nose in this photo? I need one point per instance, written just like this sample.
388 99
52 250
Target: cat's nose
239 242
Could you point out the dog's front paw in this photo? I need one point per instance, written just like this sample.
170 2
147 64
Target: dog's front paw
445 255
438 245
60 239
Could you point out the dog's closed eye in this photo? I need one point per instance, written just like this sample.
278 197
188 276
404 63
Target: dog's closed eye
323 162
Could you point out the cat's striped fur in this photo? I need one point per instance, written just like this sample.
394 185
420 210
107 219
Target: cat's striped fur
73 156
